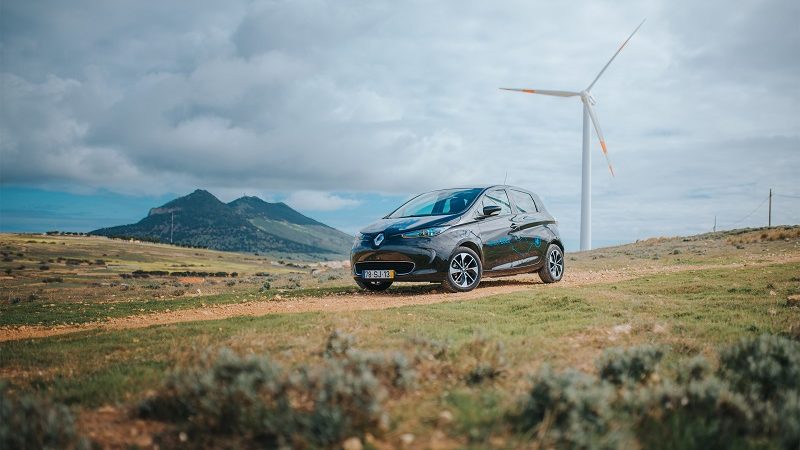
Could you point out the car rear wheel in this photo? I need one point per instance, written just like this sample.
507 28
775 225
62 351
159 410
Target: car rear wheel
375 286
553 268
464 271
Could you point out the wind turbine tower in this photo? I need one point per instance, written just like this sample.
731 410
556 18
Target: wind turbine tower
586 164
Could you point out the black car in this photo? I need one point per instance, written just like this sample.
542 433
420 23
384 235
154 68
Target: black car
458 236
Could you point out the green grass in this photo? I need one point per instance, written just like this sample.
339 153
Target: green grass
690 312
561 326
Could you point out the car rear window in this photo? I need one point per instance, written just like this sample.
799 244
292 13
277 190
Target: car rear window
523 201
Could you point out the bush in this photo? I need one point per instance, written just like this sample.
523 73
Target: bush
255 402
392 369
698 414
762 368
231 395
31 422
751 400
338 344
487 359
633 365
570 409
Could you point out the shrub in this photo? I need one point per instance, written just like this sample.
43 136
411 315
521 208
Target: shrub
695 369
789 421
347 400
751 400
392 369
338 344
633 365
762 368
488 360
31 422
698 414
230 395
254 402
570 409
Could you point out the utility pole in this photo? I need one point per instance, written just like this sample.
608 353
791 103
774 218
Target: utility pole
769 220
171 227
715 224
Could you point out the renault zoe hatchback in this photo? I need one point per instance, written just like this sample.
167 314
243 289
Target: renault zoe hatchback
457 237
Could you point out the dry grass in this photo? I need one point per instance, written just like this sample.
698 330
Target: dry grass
473 357
767 235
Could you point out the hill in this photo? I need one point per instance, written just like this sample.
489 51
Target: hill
280 220
248 224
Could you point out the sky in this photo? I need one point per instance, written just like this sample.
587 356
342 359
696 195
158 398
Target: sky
343 109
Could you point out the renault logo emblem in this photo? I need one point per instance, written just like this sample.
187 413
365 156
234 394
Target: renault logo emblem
378 240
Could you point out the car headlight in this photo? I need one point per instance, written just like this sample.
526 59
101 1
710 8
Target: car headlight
427 232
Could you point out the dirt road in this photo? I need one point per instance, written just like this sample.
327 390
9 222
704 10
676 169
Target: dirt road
357 302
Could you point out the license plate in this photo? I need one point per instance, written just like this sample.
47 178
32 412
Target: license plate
378 274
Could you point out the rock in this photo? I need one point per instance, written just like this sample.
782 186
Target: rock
793 300
384 422
445 418
352 443
406 439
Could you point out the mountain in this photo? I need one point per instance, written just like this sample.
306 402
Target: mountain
247 224
282 221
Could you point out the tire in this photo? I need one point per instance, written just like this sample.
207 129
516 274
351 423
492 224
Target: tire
374 286
464 271
553 269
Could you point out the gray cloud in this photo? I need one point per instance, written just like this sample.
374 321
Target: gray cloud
700 111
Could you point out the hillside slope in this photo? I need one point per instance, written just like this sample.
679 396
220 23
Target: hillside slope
247 224
282 221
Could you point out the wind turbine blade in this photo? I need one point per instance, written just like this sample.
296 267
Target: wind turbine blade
544 92
599 134
615 55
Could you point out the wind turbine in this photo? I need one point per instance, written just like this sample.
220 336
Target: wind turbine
586 173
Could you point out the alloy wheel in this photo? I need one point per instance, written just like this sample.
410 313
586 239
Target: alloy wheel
464 270
555 264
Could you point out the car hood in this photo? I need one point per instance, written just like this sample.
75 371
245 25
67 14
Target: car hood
404 224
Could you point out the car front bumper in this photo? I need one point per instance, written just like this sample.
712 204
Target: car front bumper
416 259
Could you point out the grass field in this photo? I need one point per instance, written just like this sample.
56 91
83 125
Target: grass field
471 359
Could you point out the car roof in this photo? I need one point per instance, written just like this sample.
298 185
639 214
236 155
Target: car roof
486 187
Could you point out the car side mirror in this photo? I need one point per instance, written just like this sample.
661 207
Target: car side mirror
491 210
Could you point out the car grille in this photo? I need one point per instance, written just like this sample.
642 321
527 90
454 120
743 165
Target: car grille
399 267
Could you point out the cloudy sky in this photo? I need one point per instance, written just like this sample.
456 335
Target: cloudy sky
343 108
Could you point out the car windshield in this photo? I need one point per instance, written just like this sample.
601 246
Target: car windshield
437 203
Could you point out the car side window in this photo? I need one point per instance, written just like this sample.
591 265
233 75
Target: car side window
524 202
498 198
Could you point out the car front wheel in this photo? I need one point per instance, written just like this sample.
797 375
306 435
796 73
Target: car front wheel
464 271
553 268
